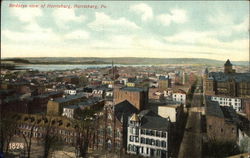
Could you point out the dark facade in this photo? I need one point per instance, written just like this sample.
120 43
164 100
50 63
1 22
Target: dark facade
221 122
227 83
112 127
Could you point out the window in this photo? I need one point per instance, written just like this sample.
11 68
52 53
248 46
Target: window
158 133
158 152
157 143
163 134
221 130
131 130
142 140
147 141
152 142
152 133
137 131
131 138
142 150
143 131
163 144
137 139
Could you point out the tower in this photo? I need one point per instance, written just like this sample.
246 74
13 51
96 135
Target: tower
228 67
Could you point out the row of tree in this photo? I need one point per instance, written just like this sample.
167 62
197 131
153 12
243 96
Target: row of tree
84 127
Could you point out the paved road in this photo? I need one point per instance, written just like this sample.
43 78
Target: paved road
191 143
191 146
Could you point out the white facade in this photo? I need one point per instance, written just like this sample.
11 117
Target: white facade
70 91
168 112
69 112
179 97
147 142
235 103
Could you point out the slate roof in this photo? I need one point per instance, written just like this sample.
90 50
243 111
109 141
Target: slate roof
222 77
213 109
124 109
151 120
133 89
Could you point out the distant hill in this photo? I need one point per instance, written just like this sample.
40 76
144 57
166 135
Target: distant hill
120 60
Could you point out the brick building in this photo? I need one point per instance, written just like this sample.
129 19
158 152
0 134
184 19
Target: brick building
55 106
136 96
227 83
112 127
221 122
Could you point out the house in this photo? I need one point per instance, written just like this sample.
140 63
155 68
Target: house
179 96
173 112
235 103
148 135
69 111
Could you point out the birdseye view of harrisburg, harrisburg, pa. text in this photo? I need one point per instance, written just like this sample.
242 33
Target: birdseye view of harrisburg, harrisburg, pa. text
125 79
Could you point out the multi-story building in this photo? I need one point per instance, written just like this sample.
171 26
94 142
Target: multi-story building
112 127
164 82
55 106
179 96
136 96
40 125
227 83
148 135
221 122
173 112
69 111
235 103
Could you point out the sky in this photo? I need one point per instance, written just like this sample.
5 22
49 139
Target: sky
163 29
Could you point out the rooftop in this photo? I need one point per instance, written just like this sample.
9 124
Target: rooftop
133 89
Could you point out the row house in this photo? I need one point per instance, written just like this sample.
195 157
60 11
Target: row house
39 125
235 103
148 135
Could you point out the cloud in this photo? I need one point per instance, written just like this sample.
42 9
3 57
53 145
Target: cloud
105 22
77 35
63 16
26 14
243 26
206 38
176 16
226 24
42 36
144 10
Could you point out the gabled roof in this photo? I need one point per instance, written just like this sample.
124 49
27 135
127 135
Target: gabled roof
124 109
134 118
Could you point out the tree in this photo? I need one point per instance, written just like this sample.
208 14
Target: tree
28 137
85 127
7 130
50 140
